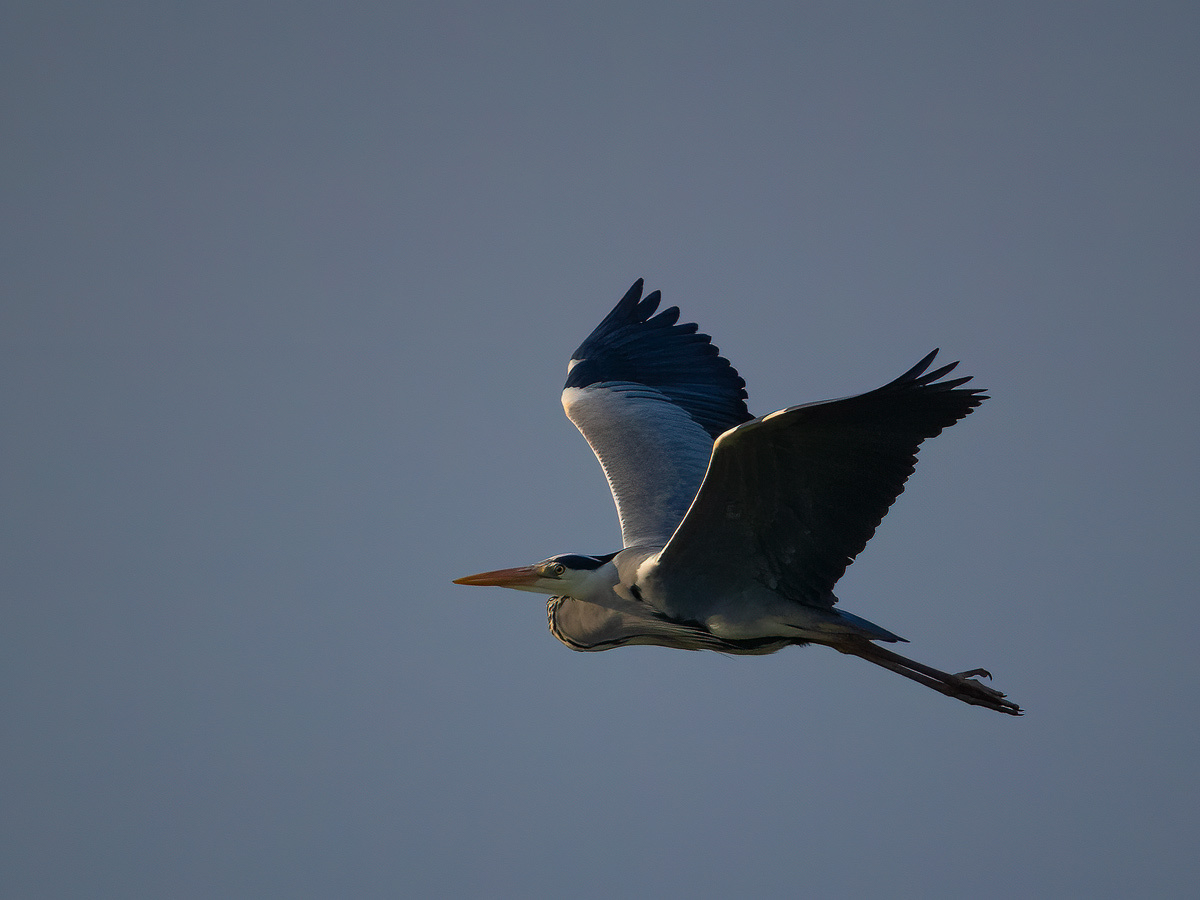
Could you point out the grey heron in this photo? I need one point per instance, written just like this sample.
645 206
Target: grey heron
735 528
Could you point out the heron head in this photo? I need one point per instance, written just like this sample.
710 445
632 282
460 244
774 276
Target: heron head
567 573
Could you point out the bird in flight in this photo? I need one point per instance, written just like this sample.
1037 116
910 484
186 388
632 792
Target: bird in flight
735 528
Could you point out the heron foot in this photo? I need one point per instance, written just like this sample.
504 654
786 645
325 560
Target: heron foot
978 693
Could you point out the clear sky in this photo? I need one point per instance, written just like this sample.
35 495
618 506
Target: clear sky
288 295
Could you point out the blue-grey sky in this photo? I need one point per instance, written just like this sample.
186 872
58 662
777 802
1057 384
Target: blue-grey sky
288 294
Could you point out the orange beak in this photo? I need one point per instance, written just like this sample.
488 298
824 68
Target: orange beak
518 577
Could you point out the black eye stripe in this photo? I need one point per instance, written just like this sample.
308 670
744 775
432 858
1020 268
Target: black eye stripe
578 561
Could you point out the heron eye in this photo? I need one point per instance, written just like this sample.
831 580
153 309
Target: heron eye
558 569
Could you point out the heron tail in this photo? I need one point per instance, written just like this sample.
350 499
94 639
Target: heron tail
869 629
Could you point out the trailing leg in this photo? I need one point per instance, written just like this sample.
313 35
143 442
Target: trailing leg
961 686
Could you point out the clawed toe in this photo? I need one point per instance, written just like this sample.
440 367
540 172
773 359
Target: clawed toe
973 691
974 673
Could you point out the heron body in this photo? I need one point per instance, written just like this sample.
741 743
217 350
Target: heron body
735 529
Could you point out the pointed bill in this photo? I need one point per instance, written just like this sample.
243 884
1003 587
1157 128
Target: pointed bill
518 577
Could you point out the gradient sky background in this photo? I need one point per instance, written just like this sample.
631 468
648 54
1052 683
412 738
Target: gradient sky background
289 291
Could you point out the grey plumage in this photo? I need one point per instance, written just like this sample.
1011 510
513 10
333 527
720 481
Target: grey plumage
735 528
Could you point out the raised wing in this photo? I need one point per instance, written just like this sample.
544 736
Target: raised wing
791 498
651 396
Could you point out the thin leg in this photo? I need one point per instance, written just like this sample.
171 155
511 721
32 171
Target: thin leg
962 686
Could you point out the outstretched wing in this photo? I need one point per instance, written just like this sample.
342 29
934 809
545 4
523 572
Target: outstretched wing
651 396
791 498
